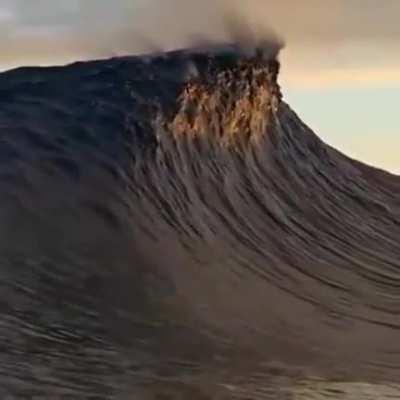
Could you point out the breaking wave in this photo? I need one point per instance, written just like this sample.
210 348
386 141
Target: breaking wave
169 226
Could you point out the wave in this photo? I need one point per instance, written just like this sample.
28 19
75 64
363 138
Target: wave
169 225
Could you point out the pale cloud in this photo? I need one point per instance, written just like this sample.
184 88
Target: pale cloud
342 78
5 15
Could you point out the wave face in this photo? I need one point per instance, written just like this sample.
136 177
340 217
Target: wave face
171 229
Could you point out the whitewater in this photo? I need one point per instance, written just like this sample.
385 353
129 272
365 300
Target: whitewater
170 229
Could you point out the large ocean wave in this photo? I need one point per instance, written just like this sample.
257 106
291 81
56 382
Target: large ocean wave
170 227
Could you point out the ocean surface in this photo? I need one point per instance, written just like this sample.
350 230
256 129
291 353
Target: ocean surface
170 229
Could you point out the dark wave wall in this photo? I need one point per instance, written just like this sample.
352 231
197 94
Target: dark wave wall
170 227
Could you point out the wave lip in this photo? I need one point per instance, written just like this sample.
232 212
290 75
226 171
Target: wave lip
235 100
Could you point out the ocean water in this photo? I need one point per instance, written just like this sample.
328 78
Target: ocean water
170 229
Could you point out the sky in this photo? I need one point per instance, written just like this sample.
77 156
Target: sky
340 66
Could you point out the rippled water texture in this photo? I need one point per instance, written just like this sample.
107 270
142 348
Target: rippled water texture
170 229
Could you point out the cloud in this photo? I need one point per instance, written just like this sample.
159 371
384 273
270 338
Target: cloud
5 15
349 65
341 78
